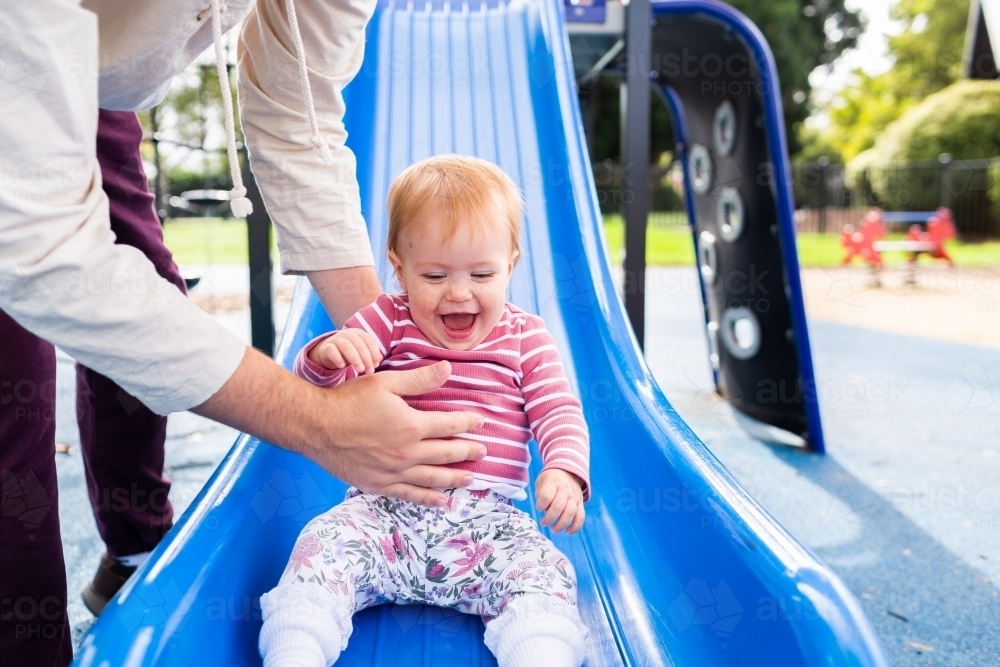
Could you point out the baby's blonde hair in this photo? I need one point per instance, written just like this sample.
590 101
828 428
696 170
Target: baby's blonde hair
456 190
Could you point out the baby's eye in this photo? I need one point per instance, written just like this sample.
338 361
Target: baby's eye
483 276
434 277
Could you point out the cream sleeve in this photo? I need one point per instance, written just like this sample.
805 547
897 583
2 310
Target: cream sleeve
315 207
61 275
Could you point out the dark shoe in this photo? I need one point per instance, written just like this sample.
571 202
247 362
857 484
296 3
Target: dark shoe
111 576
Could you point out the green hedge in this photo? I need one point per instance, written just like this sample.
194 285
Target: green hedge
902 170
962 120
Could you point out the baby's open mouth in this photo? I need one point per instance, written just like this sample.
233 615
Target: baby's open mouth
459 323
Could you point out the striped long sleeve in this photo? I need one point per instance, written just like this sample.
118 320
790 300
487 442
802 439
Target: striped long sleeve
554 412
513 378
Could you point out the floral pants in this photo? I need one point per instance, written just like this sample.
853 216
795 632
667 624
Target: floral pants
475 555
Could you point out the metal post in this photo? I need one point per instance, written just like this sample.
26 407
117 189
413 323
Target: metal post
635 156
259 244
824 163
945 161
161 211
585 95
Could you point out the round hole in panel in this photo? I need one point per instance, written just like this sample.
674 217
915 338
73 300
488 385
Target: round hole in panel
724 128
729 214
701 169
713 344
740 332
708 258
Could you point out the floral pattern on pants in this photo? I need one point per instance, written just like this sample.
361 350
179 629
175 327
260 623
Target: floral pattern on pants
475 554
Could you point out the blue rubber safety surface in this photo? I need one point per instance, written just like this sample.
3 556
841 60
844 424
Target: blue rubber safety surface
905 506
683 585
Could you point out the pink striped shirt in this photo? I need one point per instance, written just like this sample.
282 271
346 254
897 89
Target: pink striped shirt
514 379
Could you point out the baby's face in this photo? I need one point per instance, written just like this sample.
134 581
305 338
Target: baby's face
457 287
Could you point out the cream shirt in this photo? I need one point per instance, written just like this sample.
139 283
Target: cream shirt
61 275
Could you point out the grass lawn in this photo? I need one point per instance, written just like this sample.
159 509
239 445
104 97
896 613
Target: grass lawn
664 245
206 240
224 241
673 245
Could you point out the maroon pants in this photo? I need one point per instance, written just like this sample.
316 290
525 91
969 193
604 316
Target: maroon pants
121 440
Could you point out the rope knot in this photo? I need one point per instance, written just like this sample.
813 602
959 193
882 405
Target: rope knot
321 147
239 204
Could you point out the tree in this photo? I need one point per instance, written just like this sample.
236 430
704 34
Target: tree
191 121
803 35
815 145
605 105
926 57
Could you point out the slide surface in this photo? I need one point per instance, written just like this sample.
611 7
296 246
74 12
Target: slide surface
677 565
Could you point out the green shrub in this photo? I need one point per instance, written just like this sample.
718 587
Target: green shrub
902 170
962 120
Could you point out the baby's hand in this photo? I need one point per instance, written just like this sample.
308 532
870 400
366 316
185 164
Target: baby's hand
560 495
354 347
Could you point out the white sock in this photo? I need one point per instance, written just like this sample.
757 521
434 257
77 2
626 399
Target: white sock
304 626
538 631
539 651
292 647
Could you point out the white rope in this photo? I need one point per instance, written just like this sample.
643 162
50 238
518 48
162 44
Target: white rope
238 202
300 56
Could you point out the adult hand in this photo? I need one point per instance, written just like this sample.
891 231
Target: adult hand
387 447
362 431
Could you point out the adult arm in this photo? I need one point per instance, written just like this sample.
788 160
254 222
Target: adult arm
62 276
344 292
361 432
315 206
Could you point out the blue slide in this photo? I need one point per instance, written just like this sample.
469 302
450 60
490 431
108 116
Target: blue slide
677 564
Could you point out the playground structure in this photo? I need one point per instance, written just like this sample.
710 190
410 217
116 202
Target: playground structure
677 564
866 241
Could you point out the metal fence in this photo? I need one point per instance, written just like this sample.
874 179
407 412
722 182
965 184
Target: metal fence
828 196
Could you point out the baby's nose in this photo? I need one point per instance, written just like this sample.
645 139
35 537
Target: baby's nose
459 291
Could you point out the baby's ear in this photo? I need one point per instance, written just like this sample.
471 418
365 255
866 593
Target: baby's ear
397 267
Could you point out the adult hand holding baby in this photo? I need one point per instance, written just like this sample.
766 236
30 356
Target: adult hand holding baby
410 468
362 432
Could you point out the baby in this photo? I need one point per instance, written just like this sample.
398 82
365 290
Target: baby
454 230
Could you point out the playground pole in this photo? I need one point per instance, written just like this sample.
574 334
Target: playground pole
259 246
635 158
